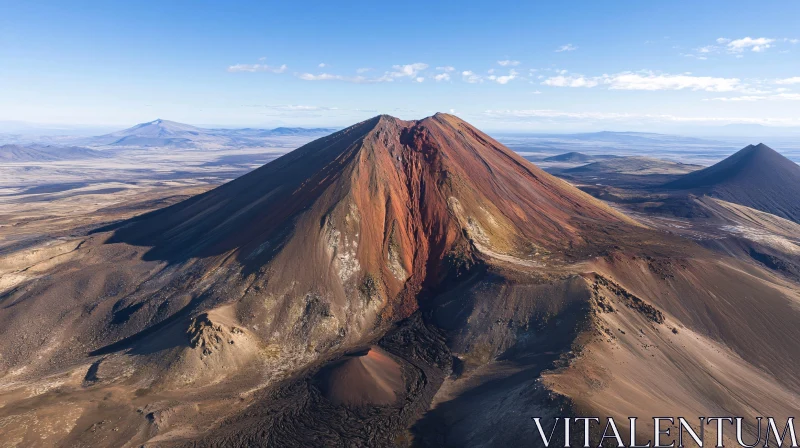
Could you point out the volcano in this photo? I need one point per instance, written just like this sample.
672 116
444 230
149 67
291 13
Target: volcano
756 176
384 201
394 283
155 133
170 134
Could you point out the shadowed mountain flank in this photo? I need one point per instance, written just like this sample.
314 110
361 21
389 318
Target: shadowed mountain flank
756 176
260 203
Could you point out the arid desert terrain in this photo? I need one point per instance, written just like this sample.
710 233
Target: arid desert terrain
394 283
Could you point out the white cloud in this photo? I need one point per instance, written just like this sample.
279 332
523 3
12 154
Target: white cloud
751 98
570 81
741 98
320 77
446 68
470 77
739 46
506 78
702 53
549 113
508 63
651 81
758 45
442 77
296 108
795 80
306 108
408 70
256 68
411 71
322 65
648 81
567 47
512 74
353 79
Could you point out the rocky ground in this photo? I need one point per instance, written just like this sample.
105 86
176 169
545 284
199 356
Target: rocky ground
398 283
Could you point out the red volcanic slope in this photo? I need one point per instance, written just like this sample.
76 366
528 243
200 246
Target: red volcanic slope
381 189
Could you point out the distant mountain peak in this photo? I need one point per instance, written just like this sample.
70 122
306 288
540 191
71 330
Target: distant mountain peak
759 147
158 123
762 147
756 176
759 155
156 133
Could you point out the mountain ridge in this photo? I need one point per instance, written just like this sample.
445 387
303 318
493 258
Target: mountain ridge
46 153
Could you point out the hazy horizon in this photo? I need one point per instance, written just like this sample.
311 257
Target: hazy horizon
84 129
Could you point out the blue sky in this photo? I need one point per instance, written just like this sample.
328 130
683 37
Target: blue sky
542 66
